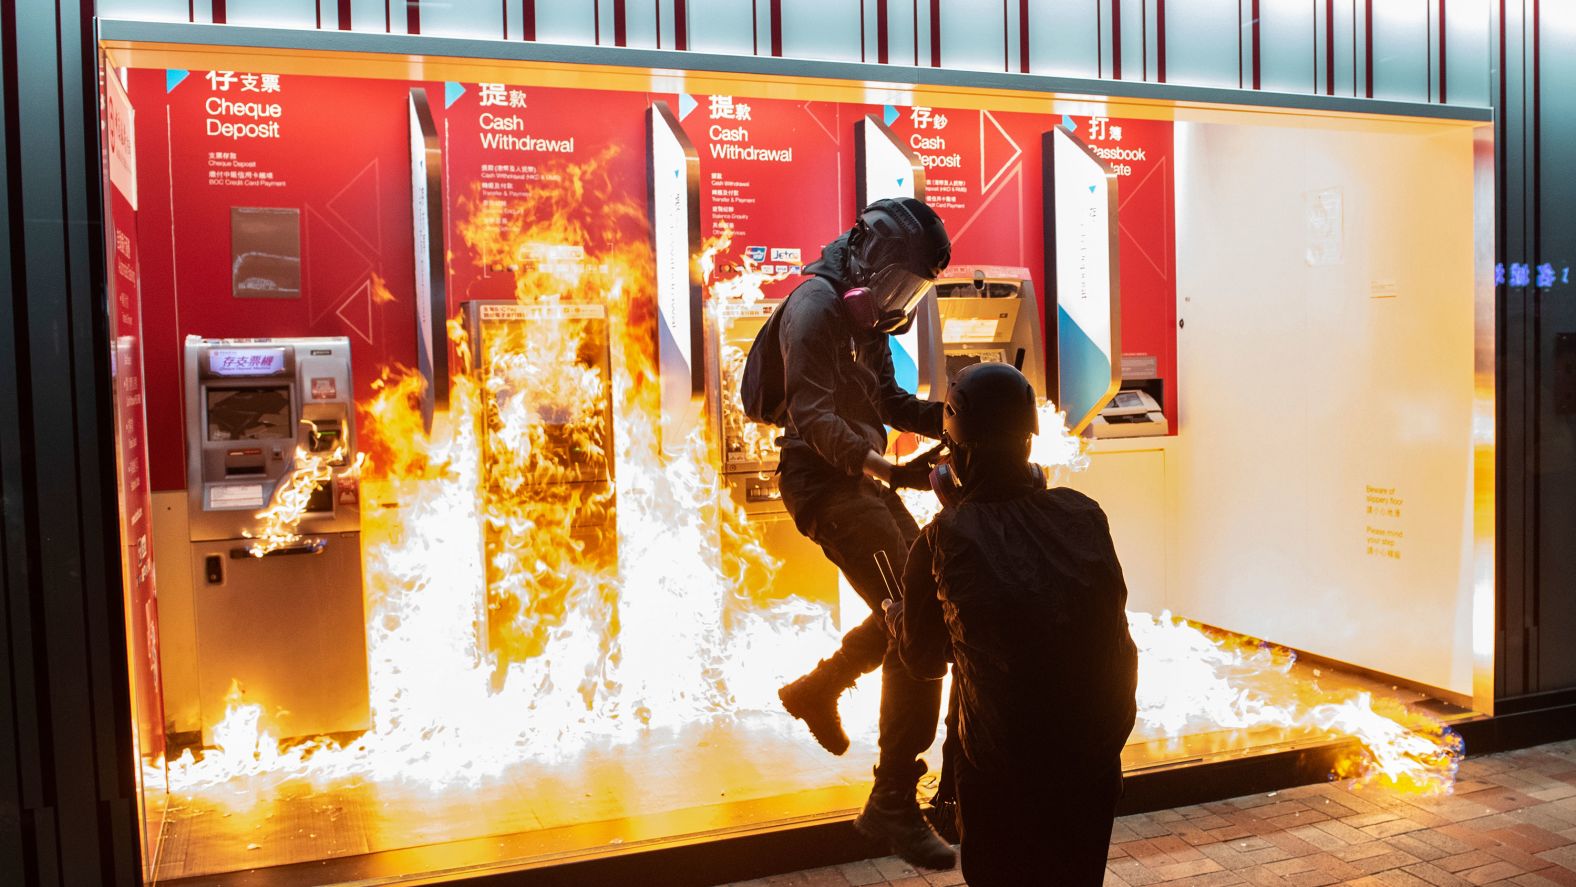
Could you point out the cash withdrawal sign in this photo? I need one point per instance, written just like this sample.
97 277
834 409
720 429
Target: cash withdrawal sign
1081 206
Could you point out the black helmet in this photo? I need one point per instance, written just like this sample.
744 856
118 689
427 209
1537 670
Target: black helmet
896 249
990 405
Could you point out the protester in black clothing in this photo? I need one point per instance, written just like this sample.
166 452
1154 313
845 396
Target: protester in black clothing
1019 586
837 485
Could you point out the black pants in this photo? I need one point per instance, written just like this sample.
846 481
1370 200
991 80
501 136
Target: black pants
851 519
1020 828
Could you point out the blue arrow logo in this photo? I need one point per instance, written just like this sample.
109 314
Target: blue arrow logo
452 92
686 105
889 114
1068 124
173 78
900 183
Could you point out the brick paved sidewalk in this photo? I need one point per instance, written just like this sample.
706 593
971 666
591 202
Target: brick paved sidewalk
1512 820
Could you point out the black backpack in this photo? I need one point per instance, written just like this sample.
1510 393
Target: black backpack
764 383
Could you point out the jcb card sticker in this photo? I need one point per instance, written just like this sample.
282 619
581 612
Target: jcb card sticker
324 389
236 496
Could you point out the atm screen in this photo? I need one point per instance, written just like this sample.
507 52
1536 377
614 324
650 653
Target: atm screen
249 413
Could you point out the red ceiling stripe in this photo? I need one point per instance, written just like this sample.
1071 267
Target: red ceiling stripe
881 30
1368 46
775 21
528 20
681 24
1257 82
1160 40
218 12
412 16
1116 39
935 33
620 23
1329 47
1023 36
344 15
1442 94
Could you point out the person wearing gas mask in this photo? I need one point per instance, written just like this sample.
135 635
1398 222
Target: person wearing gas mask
1019 586
839 393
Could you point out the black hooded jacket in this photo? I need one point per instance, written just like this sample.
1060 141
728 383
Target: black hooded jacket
1020 586
840 387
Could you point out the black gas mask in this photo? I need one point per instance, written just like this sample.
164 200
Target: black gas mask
896 250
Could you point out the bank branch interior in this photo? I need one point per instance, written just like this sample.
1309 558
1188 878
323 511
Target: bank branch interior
448 548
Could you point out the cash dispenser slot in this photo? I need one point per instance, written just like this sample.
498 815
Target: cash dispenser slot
245 462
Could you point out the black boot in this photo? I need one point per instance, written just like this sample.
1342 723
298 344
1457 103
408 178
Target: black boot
893 813
813 699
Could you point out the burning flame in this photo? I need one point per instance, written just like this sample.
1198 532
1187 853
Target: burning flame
291 500
1192 679
536 582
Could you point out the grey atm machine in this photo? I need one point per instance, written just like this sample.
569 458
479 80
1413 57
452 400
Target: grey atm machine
982 314
289 628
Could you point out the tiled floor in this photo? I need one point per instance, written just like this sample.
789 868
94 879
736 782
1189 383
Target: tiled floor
1512 820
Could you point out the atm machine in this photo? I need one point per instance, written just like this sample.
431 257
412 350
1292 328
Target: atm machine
747 451
982 314
287 628
545 450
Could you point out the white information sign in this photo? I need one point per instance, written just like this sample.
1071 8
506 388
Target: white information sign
1088 314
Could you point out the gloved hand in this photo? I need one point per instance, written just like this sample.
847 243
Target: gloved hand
893 612
914 475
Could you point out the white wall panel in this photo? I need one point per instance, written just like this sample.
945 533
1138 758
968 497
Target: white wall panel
902 29
820 29
1286 45
1202 42
972 35
1307 384
1469 28
376 16
1063 39
1344 25
1401 50
1134 40
726 26
1152 39
1013 57
145 10
869 33
279 13
566 21
461 18
640 23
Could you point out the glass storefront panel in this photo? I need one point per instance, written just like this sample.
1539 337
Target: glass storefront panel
458 532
